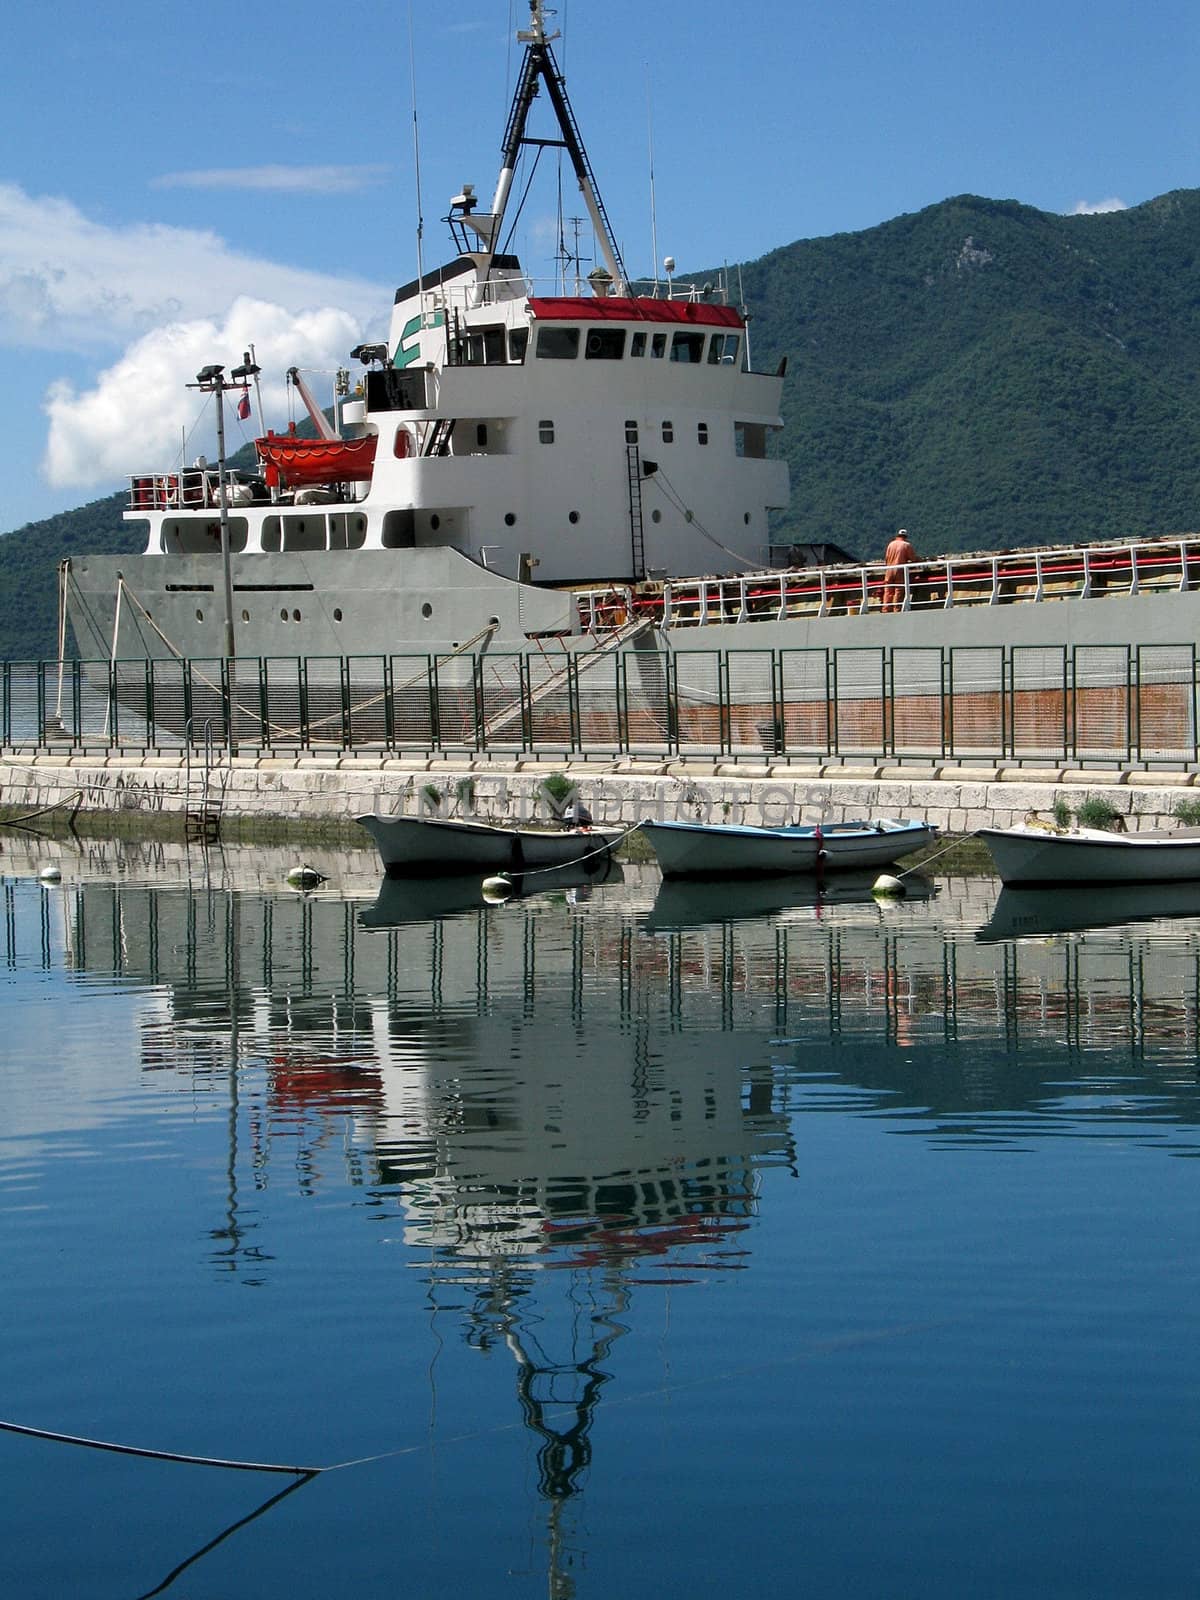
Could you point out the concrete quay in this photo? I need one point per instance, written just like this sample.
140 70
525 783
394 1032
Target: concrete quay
322 793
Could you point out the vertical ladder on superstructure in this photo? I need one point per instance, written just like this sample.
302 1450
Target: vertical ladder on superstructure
633 460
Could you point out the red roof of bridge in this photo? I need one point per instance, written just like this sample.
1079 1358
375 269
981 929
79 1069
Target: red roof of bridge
633 308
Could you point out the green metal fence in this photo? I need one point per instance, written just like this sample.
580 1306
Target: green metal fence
1101 704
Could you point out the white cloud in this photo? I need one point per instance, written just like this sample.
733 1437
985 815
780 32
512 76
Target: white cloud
132 419
68 283
1093 208
279 179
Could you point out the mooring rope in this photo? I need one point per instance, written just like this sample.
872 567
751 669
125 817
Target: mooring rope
154 1455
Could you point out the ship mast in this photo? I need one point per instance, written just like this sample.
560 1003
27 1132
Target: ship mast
539 65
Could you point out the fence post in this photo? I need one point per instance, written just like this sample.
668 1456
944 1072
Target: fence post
778 719
148 700
389 702
887 694
480 707
1006 689
831 726
226 701
622 661
724 718
114 710
525 691
264 707
573 719
344 689
305 729
671 681
947 717
185 673
435 703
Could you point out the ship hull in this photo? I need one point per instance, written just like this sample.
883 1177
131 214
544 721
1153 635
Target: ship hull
379 603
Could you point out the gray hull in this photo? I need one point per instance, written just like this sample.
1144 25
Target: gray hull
421 602
1089 856
694 849
413 845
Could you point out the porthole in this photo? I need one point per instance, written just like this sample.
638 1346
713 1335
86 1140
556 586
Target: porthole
295 616
573 516
509 519
337 613
435 522
199 616
656 516
283 616
245 616
427 611
746 518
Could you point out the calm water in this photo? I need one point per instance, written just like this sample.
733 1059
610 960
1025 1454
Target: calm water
606 1245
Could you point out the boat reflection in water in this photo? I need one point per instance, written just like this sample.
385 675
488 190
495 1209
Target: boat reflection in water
557 1100
692 902
418 899
1022 913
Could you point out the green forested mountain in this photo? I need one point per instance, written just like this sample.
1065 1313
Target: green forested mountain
981 373
29 572
987 375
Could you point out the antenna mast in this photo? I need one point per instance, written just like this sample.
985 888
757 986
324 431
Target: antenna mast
539 65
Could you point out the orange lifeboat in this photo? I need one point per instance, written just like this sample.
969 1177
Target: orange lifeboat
294 463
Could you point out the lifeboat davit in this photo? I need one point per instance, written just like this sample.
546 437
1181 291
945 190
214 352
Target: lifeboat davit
294 463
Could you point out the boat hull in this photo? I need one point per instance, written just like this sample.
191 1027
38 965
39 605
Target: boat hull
695 849
1037 856
417 846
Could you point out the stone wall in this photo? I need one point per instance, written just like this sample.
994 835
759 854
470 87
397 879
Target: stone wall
324 790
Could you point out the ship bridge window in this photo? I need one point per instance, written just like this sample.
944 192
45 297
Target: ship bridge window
546 431
702 432
482 347
637 345
605 344
668 432
687 347
658 346
518 343
631 430
723 347
557 344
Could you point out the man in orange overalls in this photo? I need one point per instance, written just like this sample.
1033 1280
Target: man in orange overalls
896 557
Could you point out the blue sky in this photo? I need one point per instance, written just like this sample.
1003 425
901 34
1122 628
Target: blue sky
177 181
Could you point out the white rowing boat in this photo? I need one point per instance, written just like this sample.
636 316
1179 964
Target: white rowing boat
713 850
418 845
1032 853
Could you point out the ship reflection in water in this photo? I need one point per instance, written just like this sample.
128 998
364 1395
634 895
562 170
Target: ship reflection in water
555 1106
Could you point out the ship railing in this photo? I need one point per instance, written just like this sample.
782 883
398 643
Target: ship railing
193 489
1017 576
452 297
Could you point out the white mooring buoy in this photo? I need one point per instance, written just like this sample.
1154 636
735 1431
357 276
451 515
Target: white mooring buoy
497 890
886 884
303 877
